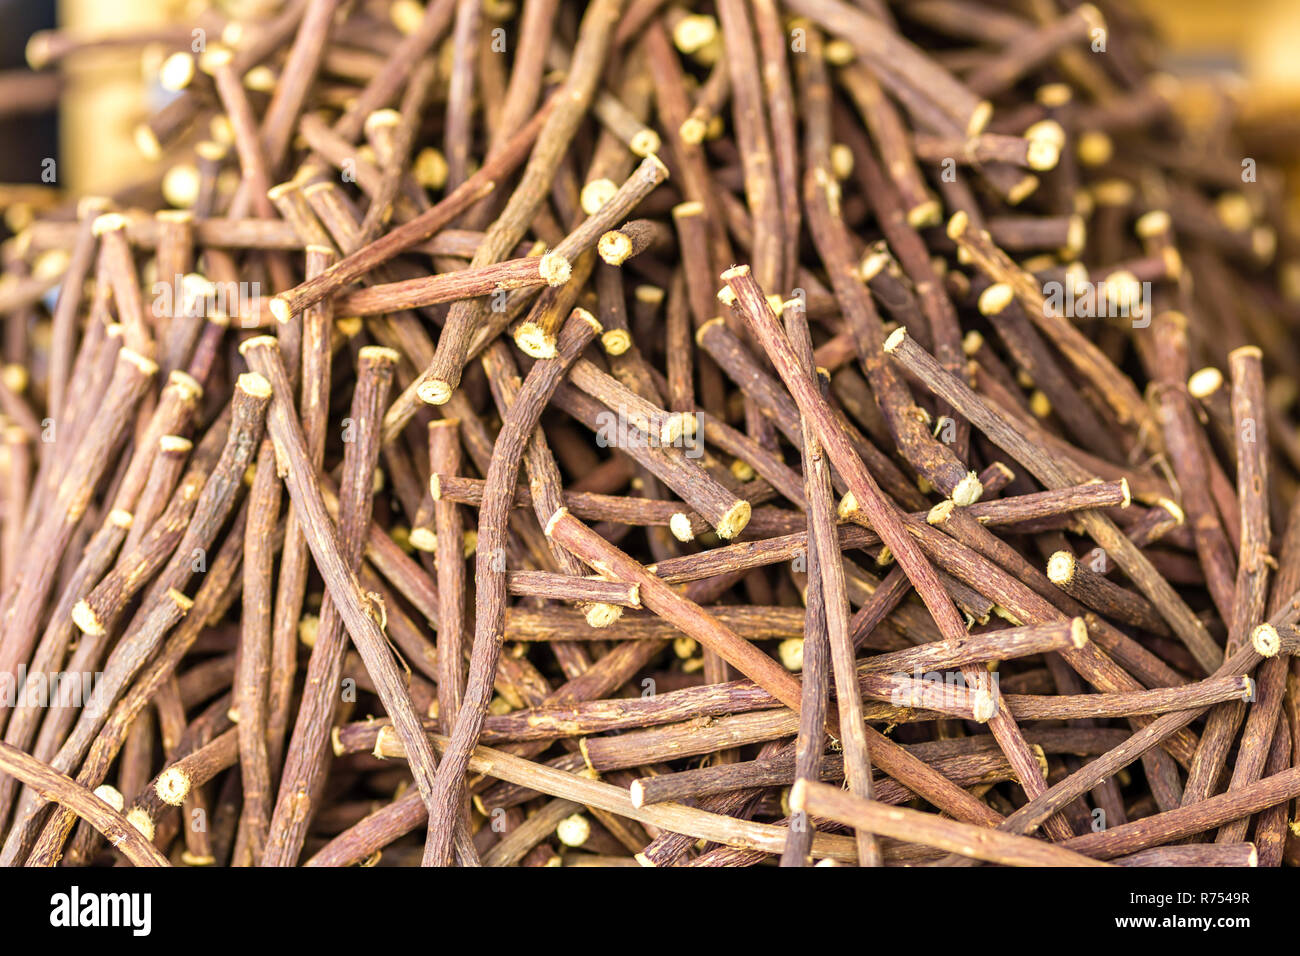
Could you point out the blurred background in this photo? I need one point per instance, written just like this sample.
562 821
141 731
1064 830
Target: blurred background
1249 46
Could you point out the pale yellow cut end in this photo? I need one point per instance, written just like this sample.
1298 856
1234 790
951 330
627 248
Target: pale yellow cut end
968 491
694 32
111 795
1266 640
847 507
121 518
434 392
940 512
180 185
215 57
595 194
308 629
251 383
554 519
614 247
173 786
1076 236
109 222
996 298
1046 131
791 653
1078 632
573 831
279 307
143 823
1060 568
258 342
1152 224
645 143
616 341
925 214
693 130
406 15
422 539
533 340
555 269
983 706
680 526
602 615
979 118
798 795
958 223
180 600
734 521
176 72
431 168
86 620
1127 492
1095 148
146 142
637 794
1022 190
895 340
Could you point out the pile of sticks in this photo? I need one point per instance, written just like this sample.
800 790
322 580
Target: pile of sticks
627 433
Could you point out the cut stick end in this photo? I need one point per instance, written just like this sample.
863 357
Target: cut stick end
958 223
422 539
847 507
108 222
554 520
693 130
139 818
1179 516
1060 568
735 272
173 786
1205 382
645 143
1078 632
734 521
1266 641
1042 155
979 118
1022 190
602 615
895 340
673 427
87 620
258 342
251 383
968 491
983 706
280 310
680 525
121 518
112 796
637 793
434 392
535 341
555 269
1127 493
180 600
798 795
616 341
940 513
614 248
595 194
925 214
